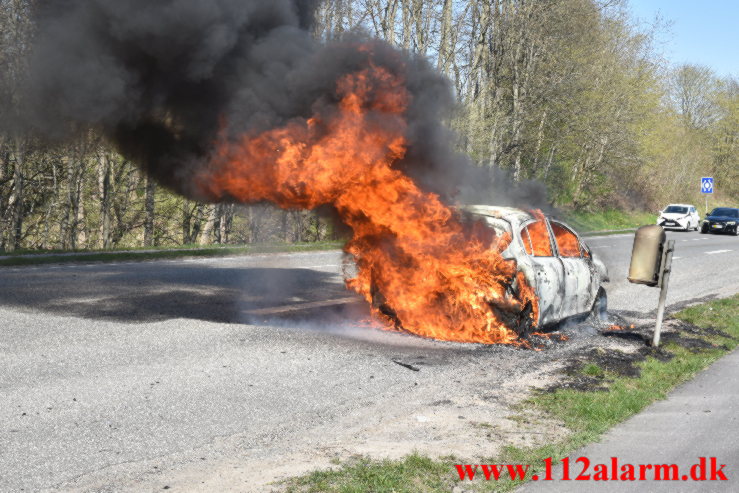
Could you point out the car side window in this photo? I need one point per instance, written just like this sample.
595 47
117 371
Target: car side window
536 240
568 243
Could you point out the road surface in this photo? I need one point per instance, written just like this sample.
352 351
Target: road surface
136 376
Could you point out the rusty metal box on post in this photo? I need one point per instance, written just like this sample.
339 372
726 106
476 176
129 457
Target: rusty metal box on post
646 256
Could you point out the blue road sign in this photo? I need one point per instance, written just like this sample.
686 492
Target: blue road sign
707 184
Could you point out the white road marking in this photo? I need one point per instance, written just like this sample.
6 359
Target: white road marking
676 258
602 246
302 306
718 251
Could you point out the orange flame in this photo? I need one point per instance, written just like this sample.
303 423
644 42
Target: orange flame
567 243
536 237
419 266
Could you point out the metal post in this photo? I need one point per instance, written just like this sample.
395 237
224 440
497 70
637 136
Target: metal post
664 282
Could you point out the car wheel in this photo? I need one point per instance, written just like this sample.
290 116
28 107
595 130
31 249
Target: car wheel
599 311
704 229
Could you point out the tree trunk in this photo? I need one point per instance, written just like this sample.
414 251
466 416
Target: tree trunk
283 226
186 222
50 208
149 211
407 19
388 21
227 215
539 140
445 44
105 194
16 233
298 218
210 224
549 161
75 175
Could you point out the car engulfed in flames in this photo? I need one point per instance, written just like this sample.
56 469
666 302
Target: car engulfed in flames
566 275
550 258
424 267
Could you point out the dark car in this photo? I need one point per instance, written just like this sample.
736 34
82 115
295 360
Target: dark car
722 220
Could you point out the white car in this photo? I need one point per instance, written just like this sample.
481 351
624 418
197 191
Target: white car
679 216
567 276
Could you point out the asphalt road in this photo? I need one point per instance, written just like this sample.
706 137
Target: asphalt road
115 376
704 266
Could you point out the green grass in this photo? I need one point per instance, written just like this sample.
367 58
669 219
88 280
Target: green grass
413 474
51 251
608 220
51 257
593 370
586 414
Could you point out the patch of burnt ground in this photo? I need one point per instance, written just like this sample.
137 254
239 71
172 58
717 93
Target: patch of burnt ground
593 369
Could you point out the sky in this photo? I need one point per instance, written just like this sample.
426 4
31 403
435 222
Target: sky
699 32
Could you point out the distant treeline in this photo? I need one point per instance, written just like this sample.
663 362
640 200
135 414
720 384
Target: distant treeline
568 92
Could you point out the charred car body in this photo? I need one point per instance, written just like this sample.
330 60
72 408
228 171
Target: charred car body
722 220
567 276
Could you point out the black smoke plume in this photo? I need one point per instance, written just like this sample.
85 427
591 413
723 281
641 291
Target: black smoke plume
161 79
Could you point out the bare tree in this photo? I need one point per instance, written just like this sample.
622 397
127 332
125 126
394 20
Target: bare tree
692 90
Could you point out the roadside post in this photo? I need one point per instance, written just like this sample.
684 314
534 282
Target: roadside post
651 263
707 188
663 283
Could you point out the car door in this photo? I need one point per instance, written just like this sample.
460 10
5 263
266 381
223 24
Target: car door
578 273
548 268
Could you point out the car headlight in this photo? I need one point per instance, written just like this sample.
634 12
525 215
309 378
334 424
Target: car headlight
731 223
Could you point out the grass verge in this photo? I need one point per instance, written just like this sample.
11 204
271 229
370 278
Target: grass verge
586 414
608 220
133 255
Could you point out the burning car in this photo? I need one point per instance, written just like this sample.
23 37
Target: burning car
549 260
567 277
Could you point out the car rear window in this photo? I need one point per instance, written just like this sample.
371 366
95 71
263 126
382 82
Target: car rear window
676 209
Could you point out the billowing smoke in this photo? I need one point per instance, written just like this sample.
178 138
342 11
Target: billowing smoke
235 100
162 79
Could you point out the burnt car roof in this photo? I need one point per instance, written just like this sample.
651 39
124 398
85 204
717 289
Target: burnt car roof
499 212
